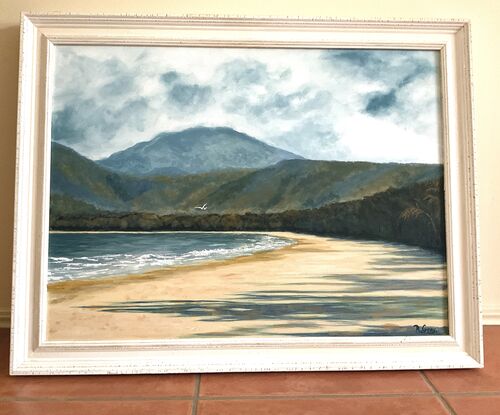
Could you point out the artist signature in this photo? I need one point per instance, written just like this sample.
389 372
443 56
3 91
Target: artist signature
424 329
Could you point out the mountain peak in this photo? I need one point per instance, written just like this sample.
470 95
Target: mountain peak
199 132
196 150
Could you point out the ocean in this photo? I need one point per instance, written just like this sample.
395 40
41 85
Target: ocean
74 255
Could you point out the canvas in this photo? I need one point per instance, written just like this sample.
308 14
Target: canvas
245 192
228 194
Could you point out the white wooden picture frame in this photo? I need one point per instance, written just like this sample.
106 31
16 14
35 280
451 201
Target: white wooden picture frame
33 353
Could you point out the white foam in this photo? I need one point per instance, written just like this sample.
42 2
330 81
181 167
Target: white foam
64 268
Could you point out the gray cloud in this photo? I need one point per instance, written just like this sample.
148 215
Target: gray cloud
365 61
318 100
312 139
170 77
278 105
421 68
74 122
120 85
96 100
65 126
389 66
381 103
244 72
181 93
394 76
395 69
84 123
190 95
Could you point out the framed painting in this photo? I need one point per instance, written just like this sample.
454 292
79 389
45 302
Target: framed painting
204 194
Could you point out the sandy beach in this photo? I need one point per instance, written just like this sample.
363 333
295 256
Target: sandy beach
319 286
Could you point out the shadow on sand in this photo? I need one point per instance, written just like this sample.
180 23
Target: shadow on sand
341 298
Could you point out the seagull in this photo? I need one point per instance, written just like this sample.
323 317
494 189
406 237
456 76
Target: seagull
204 207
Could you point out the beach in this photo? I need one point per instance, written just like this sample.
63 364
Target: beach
319 286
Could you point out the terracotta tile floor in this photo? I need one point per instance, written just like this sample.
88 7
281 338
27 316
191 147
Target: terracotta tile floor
408 392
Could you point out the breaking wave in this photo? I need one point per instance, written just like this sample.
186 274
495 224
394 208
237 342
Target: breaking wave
82 255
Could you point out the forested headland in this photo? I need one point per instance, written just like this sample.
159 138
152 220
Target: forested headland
412 215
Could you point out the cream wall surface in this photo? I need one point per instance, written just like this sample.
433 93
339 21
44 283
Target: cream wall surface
483 14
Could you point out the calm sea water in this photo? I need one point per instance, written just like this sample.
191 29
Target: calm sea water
93 255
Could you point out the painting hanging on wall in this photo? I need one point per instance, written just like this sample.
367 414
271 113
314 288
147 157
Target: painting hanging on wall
209 194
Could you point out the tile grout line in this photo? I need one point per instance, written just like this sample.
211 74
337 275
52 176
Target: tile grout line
305 397
92 399
215 397
437 394
196 398
485 393
239 397
196 395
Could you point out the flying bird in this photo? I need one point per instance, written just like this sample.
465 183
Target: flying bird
204 207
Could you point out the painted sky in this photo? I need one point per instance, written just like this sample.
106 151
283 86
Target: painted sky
374 105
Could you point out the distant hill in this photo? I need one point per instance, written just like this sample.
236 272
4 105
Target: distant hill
304 184
195 150
412 214
291 184
286 185
82 179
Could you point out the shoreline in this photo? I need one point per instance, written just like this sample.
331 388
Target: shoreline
148 272
436 251
293 290
148 232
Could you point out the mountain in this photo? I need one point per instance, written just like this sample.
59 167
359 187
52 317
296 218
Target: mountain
195 150
288 184
304 184
75 176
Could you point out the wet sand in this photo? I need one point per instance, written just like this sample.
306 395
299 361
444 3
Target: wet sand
319 286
